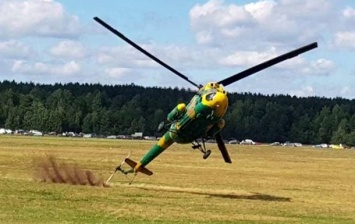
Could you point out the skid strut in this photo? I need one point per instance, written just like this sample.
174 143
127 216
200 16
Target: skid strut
201 148
118 168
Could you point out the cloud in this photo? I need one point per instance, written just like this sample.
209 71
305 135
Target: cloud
296 65
124 75
69 49
349 13
247 58
180 57
345 40
46 69
323 90
124 56
243 58
13 49
345 90
44 18
303 92
117 72
319 67
261 23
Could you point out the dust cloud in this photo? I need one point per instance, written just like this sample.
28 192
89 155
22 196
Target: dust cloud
49 169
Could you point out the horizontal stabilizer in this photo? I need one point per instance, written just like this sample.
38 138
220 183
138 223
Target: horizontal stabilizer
141 169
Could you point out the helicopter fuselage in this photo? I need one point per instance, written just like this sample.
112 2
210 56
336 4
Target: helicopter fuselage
202 117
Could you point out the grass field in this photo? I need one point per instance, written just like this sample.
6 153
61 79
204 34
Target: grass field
263 185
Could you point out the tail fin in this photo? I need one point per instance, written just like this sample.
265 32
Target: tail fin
141 168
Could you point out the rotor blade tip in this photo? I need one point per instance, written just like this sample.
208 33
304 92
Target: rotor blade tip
97 19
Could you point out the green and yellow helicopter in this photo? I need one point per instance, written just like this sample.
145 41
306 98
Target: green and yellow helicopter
202 118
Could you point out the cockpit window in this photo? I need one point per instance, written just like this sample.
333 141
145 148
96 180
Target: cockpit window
210 96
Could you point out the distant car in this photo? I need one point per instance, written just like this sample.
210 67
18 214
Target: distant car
297 144
233 141
112 137
247 142
275 144
289 144
322 146
150 138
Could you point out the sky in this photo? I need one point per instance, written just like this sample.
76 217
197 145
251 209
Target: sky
48 41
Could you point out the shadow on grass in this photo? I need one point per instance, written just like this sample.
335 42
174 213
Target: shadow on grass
216 193
253 196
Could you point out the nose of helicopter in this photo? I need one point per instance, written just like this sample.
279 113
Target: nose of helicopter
217 101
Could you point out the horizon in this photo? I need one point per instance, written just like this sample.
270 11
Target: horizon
176 87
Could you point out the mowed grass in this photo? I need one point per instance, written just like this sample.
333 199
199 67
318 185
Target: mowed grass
263 184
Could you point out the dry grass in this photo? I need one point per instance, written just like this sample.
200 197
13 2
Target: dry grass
263 184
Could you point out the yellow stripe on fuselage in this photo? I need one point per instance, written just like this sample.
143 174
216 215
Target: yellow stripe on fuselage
163 142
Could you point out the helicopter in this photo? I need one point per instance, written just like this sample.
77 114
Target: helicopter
201 118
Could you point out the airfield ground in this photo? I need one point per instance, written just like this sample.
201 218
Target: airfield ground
263 185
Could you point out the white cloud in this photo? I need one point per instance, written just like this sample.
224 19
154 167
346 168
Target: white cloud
204 37
297 64
345 39
13 49
177 56
320 67
261 23
124 56
36 18
303 92
345 90
260 10
247 58
349 13
214 12
124 75
117 72
69 49
39 68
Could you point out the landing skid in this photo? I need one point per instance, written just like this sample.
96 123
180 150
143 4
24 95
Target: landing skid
201 148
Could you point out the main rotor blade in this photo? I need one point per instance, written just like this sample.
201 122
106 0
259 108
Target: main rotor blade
266 64
222 148
120 35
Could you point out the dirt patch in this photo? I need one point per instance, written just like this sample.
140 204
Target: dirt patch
49 169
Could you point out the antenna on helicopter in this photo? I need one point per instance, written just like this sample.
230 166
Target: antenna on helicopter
130 42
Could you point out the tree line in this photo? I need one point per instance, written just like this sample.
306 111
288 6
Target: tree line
125 109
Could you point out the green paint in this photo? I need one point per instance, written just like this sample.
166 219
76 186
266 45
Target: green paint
156 150
193 128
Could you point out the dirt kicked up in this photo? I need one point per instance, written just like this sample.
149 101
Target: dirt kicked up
48 169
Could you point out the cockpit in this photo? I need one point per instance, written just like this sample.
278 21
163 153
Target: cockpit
209 87
214 96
